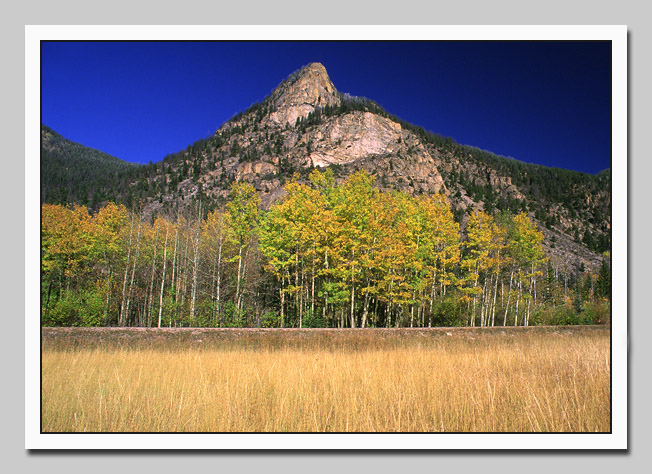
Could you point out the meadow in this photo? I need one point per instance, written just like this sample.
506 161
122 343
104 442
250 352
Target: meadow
536 379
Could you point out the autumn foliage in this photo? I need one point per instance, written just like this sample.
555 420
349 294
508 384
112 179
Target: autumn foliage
325 255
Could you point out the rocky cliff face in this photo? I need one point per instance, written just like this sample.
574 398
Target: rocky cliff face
298 96
353 136
306 123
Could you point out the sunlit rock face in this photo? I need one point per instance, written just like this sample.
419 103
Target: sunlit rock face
353 136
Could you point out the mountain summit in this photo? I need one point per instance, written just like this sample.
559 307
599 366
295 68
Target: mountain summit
304 90
311 125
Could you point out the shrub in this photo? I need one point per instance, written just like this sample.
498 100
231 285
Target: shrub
312 321
270 320
76 309
203 314
564 315
598 313
231 317
447 313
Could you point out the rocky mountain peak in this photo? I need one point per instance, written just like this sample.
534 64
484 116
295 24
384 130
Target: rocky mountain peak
301 93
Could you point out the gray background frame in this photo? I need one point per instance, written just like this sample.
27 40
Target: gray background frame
635 14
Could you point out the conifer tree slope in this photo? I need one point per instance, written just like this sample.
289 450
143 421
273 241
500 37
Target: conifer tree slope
74 173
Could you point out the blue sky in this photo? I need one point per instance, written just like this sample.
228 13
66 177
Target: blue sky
540 102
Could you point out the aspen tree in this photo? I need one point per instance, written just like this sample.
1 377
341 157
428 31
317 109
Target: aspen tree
475 261
242 217
121 317
274 244
214 230
351 207
174 268
196 248
165 254
524 247
133 272
109 223
151 286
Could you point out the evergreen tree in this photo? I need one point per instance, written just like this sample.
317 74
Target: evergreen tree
603 283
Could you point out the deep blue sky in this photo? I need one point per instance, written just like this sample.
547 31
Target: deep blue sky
540 102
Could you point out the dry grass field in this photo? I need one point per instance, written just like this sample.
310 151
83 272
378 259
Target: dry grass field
365 380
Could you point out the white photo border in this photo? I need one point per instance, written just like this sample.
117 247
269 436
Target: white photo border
616 439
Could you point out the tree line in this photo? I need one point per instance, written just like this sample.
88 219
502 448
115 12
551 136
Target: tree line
325 255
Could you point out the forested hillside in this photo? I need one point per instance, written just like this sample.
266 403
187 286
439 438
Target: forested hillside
73 173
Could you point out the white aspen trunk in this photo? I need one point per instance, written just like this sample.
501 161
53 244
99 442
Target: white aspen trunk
414 295
219 276
414 290
184 275
195 264
151 285
181 277
133 270
518 297
282 294
165 255
420 313
488 297
388 315
312 295
389 305
531 291
365 308
352 292
352 300
482 301
432 290
214 300
534 287
302 293
297 305
121 318
412 315
398 317
108 296
475 284
243 279
493 306
547 283
174 267
509 295
237 287
325 292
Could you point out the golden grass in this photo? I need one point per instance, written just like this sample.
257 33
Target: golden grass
472 380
